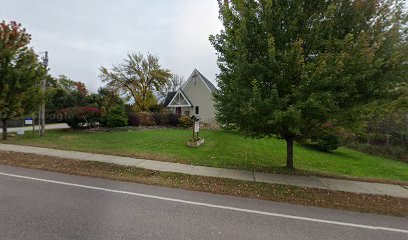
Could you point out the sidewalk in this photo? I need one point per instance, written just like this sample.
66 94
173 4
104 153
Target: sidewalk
301 181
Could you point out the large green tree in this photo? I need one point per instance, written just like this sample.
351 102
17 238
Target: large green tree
20 73
139 77
287 68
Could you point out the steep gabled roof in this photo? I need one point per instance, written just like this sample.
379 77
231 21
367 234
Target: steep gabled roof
207 82
169 97
180 94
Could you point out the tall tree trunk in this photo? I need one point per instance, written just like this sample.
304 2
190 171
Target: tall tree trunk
4 121
289 153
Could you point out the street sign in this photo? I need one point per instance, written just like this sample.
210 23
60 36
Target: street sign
28 121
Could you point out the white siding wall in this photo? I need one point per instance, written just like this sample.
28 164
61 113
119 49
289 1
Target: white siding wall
199 95
183 110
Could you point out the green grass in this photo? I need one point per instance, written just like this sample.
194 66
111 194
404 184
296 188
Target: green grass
222 149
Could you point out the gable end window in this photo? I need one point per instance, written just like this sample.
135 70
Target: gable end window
179 100
197 110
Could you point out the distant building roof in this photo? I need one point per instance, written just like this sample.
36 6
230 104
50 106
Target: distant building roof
169 96
207 82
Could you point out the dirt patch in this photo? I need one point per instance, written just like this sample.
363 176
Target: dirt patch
274 192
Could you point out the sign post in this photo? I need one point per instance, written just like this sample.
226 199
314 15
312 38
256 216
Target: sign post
29 122
196 127
196 140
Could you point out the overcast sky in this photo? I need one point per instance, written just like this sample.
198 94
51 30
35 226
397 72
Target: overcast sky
80 36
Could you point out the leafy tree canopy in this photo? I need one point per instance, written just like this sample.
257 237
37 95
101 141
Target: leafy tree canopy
289 67
139 77
20 73
107 98
67 93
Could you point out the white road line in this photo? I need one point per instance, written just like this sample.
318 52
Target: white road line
212 205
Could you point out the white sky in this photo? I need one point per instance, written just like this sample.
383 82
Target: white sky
80 36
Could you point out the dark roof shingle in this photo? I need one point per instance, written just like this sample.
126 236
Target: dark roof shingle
169 96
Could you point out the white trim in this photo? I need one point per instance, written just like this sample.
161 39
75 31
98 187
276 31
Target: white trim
195 72
179 106
209 205
181 92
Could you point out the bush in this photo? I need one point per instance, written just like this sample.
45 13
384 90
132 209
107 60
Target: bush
165 117
141 119
398 152
172 119
328 143
77 117
146 118
394 152
116 117
158 118
133 119
122 129
185 122
156 108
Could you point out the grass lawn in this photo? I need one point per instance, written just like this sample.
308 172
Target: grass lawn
222 149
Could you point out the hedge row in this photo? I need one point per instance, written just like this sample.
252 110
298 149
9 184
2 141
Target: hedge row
164 117
78 117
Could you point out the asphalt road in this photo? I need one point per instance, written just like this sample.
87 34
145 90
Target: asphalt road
44 205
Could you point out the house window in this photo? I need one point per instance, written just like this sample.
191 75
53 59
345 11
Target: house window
197 110
178 110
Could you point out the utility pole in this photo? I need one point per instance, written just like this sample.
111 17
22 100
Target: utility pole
406 136
42 107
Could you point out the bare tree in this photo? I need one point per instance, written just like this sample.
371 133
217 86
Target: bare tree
174 84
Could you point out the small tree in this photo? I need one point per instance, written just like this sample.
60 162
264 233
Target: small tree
137 77
20 73
106 98
116 117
